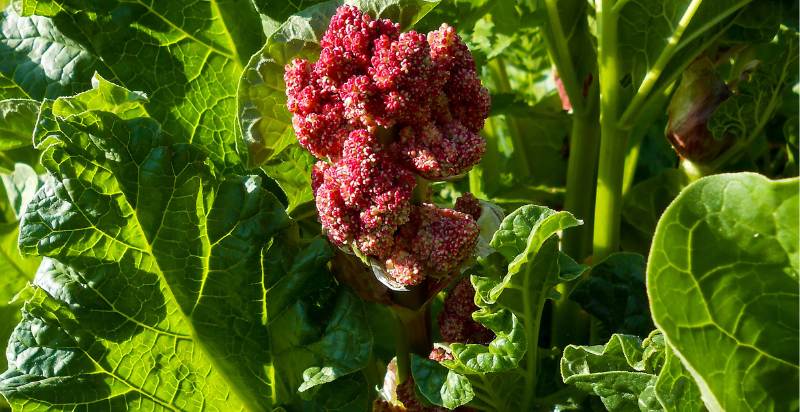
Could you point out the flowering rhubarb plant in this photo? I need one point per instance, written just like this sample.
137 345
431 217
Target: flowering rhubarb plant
399 205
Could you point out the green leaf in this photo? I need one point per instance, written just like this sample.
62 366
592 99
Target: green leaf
744 115
17 270
187 58
623 372
525 229
342 350
17 120
280 10
675 387
614 292
439 385
405 12
38 60
291 169
658 39
166 284
722 279
647 200
510 293
525 157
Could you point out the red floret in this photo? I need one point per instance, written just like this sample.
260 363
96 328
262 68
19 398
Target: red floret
440 152
455 319
435 241
422 95
339 222
470 205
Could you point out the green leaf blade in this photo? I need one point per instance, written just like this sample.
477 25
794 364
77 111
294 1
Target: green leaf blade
722 281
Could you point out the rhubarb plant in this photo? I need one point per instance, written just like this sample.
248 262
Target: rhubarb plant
399 205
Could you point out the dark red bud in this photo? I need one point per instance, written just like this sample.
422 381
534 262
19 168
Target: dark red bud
699 94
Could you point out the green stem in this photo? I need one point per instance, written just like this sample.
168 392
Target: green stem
413 335
570 324
403 353
613 140
652 76
497 69
559 51
581 167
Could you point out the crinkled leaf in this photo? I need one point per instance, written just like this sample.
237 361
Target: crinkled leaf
760 21
744 115
164 281
17 120
350 393
439 385
525 157
623 372
722 278
675 388
614 292
510 293
16 270
291 170
38 60
522 233
405 12
280 10
187 57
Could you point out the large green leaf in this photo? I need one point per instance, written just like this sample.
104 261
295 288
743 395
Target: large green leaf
17 190
265 122
723 284
186 56
629 374
511 290
166 284
37 60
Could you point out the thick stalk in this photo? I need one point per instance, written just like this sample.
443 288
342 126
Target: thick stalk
413 330
571 324
581 166
613 140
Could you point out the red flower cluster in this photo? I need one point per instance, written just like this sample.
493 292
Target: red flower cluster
455 319
381 107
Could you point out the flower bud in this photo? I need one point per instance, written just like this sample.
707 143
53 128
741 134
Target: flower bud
699 94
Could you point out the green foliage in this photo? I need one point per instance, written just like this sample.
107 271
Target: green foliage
171 245
187 58
646 200
745 115
614 293
164 276
510 292
629 374
722 279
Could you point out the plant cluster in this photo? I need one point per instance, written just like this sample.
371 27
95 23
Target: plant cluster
399 205
380 107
